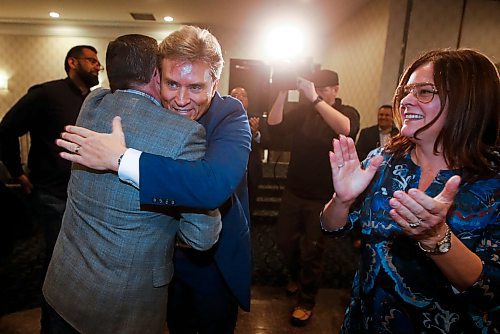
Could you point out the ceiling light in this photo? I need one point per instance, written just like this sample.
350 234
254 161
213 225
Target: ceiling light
4 82
168 19
54 15
285 42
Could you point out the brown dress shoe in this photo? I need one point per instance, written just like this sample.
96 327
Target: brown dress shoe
300 316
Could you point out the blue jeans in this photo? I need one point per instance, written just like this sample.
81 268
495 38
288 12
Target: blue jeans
49 211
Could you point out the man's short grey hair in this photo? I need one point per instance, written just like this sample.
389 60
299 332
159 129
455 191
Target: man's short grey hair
192 44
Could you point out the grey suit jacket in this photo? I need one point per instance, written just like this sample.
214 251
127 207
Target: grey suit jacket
112 262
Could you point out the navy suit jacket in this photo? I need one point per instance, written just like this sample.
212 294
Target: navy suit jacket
369 139
217 180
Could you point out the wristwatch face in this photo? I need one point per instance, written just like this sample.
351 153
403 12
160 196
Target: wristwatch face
444 247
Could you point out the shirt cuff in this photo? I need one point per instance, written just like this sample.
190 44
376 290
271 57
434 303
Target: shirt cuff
128 171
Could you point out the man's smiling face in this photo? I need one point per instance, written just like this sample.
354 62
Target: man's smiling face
187 88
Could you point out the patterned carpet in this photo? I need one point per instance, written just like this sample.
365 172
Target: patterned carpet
269 269
20 273
20 269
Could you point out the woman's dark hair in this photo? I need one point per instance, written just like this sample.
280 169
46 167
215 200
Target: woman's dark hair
468 84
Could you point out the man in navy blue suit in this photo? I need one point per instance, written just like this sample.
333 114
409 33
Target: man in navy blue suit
377 135
207 286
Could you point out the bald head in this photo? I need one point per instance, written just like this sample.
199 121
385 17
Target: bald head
241 94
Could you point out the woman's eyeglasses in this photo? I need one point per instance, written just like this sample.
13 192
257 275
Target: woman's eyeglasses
424 92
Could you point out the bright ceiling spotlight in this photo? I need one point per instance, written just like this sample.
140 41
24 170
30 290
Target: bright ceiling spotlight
54 15
168 19
285 43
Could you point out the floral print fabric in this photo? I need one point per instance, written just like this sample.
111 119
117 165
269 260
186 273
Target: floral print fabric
397 288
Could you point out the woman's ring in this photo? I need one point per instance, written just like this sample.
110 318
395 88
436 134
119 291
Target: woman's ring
77 148
341 165
415 224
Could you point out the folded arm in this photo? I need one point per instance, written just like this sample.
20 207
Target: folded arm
200 230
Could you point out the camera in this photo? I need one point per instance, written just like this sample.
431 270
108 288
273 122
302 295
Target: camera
285 75
285 79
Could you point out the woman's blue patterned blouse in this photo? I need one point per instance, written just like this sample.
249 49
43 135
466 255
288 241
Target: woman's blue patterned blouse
397 288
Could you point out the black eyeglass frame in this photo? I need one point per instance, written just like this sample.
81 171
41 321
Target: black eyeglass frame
92 61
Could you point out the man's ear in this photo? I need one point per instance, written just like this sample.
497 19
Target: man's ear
156 74
156 78
72 63
214 86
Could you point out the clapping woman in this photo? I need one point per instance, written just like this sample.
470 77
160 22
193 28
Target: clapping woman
428 204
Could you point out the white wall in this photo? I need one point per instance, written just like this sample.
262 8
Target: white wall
356 52
367 51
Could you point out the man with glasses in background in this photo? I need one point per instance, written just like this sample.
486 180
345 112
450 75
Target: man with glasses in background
43 112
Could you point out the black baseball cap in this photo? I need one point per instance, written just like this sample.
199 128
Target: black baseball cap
324 78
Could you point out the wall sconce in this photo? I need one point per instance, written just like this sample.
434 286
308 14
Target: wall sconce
4 82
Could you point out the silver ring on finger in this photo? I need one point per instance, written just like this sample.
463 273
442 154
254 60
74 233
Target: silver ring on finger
416 224
341 165
77 148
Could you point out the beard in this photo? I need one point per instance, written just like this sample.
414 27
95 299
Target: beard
89 79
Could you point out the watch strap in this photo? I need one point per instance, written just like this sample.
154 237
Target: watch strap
437 249
318 100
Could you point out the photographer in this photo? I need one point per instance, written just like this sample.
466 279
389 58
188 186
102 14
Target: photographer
309 184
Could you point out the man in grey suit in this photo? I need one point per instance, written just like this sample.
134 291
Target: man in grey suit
113 260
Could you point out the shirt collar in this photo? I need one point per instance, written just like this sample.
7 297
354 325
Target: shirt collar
138 92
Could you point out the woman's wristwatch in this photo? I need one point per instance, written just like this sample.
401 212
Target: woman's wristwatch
442 246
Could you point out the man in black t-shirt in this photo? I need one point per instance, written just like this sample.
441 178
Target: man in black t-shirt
309 180
43 112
